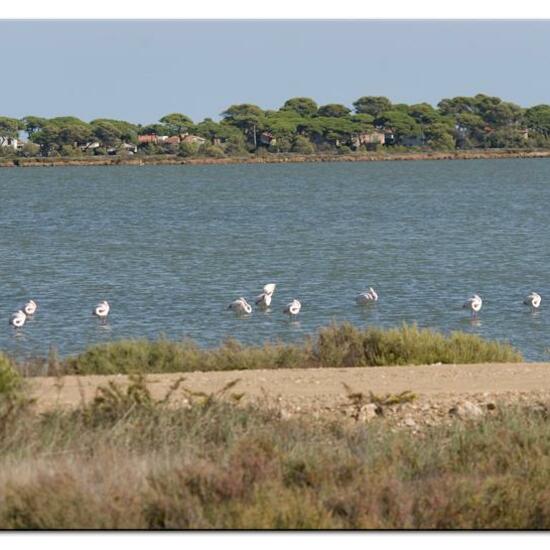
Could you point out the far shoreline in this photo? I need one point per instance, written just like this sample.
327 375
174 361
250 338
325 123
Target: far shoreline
272 158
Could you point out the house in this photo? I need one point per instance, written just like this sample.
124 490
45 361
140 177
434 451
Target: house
172 140
412 141
389 137
129 148
367 139
90 146
147 138
524 133
189 138
266 138
10 142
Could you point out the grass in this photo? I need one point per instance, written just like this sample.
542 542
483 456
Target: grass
334 346
10 379
126 460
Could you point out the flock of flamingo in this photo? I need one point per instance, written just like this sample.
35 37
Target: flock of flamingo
240 306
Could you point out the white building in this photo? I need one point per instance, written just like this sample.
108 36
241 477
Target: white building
6 141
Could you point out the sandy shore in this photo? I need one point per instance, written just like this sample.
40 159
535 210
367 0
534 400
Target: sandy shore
274 158
438 388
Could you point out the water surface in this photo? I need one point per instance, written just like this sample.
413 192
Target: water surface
171 246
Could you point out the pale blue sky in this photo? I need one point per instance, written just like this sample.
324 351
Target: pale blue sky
141 70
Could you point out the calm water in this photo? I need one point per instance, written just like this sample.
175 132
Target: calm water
170 247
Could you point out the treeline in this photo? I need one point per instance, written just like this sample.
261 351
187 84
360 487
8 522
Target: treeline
299 126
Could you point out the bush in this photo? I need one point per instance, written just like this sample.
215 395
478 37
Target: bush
212 151
29 150
10 380
186 150
303 146
334 346
128 461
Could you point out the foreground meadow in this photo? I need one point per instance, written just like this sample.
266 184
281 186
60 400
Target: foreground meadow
130 459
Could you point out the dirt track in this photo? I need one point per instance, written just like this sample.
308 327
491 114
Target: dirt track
315 391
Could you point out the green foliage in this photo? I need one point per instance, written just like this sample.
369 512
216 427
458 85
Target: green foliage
346 346
303 106
129 461
9 127
466 122
212 151
335 110
303 146
334 346
176 123
10 380
402 124
372 105
188 149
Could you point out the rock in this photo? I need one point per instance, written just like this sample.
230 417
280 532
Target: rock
466 410
409 422
369 411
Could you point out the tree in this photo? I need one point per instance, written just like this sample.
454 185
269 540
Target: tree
176 123
538 119
9 128
372 105
304 106
423 113
335 110
126 131
400 123
33 123
249 118
106 133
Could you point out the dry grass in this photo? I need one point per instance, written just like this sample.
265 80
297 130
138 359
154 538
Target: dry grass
334 346
127 460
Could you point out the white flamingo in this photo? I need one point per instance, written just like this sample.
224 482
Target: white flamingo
240 306
18 319
102 309
264 299
474 304
367 297
30 307
293 308
533 300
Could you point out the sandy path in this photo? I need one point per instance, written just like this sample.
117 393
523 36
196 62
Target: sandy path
317 389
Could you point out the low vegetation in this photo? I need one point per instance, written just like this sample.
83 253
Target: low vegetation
299 126
126 460
335 346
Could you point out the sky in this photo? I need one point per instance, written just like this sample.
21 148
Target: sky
142 70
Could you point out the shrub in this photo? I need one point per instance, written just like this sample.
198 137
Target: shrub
187 149
303 146
334 346
10 380
212 151
127 461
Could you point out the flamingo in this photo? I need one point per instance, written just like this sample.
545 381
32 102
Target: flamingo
18 319
533 300
102 309
264 299
30 307
474 304
293 308
367 297
240 306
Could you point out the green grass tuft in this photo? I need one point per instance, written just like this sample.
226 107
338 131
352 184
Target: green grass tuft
335 346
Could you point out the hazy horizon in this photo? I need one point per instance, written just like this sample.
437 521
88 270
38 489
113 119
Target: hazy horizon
141 70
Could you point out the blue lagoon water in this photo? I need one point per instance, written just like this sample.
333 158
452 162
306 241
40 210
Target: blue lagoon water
171 246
